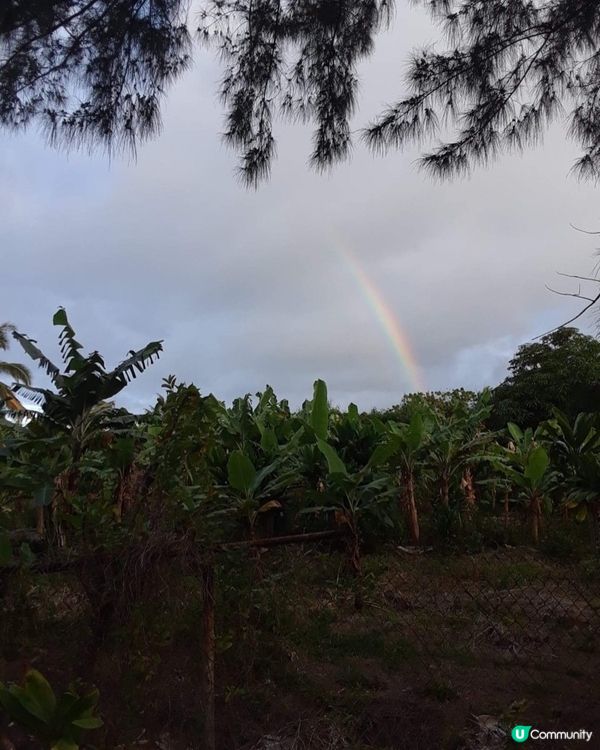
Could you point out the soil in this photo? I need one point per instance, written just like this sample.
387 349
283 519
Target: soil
446 654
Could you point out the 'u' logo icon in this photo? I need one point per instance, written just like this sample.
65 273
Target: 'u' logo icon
520 734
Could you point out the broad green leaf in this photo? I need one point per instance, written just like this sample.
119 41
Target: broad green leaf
265 398
261 475
17 712
88 722
319 416
80 708
537 463
268 440
65 744
515 431
39 690
240 471
64 706
415 432
60 317
334 462
582 513
515 476
378 424
121 454
384 452
353 414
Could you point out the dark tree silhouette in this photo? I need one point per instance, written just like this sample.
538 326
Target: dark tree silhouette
561 370
94 71
512 67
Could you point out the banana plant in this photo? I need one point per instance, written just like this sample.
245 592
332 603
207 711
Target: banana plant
58 722
30 462
576 451
526 464
79 407
255 491
352 497
458 440
403 448
84 386
349 495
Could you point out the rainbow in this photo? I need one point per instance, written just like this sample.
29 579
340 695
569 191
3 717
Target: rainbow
387 320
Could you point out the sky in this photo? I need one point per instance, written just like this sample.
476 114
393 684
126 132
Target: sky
374 277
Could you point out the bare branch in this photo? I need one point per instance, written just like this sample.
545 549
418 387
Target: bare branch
575 276
583 231
577 295
580 314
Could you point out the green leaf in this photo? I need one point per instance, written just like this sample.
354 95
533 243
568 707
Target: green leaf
240 471
582 513
319 417
353 414
60 317
64 744
537 463
268 440
121 453
16 711
88 722
515 432
334 462
383 453
266 398
40 694
415 432
262 474
82 707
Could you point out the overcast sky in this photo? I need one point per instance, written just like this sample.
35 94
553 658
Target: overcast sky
248 288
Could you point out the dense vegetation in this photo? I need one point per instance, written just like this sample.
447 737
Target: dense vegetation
114 498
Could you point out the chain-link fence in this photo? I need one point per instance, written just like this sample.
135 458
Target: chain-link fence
508 608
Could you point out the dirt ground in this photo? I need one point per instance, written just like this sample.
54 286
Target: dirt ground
447 653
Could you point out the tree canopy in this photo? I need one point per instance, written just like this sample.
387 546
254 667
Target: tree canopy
561 370
94 71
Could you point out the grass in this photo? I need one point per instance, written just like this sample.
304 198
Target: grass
434 636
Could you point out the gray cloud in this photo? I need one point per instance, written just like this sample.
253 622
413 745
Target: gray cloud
249 288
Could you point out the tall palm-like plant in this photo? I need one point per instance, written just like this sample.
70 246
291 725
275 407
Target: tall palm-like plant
15 371
526 464
84 384
78 408
575 448
404 444
458 440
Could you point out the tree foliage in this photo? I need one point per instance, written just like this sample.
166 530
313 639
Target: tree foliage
85 383
94 71
512 67
562 371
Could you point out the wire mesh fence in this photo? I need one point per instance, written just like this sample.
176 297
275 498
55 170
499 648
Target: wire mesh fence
507 608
